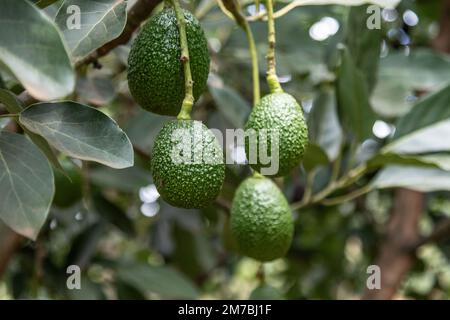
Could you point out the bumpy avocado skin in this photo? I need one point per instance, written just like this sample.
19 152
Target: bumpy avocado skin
261 220
155 74
280 111
180 183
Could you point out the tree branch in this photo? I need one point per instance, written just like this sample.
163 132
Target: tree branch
440 233
442 41
9 243
398 252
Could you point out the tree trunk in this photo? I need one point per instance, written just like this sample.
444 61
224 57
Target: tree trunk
396 258
9 242
442 41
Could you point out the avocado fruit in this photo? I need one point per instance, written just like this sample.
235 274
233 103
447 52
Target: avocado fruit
279 113
261 219
155 73
187 164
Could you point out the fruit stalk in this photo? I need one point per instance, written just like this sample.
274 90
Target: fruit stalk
233 7
188 101
255 66
272 79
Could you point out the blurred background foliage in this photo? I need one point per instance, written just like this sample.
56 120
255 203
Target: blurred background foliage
132 245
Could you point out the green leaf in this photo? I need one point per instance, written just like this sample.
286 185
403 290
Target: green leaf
97 90
128 180
84 246
163 281
416 178
100 22
323 123
45 3
147 122
89 291
10 101
441 161
113 214
32 48
314 157
26 185
353 99
80 131
13 105
193 254
425 128
398 82
364 44
266 292
233 107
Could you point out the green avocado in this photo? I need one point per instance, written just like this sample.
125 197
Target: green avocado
68 188
278 112
187 164
261 220
155 74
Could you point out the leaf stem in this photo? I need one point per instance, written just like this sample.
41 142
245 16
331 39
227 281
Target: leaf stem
351 177
286 9
272 79
232 6
347 197
308 187
255 66
9 115
188 101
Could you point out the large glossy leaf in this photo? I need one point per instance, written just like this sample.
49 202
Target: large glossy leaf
163 281
416 178
13 105
323 123
394 93
233 107
100 22
26 185
353 99
364 44
440 161
80 131
32 48
425 128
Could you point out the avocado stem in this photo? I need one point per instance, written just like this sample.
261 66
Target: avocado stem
255 66
272 79
234 8
256 174
188 101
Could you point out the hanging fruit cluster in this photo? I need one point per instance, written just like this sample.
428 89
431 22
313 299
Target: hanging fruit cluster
168 70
